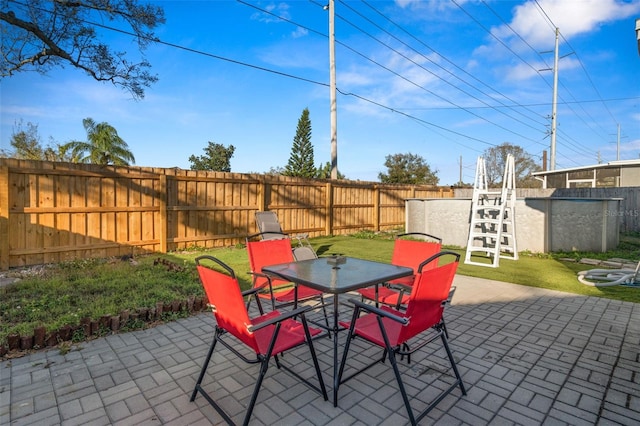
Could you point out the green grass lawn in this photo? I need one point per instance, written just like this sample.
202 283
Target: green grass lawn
64 294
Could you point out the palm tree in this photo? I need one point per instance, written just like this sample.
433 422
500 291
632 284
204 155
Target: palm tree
103 146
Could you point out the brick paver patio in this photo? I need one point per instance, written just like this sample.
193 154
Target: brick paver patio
527 356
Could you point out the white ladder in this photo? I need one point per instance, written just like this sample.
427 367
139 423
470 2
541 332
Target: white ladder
493 228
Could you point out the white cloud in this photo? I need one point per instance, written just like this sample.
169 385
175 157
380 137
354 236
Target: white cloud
521 71
279 9
24 111
570 16
299 32
432 5
530 32
411 74
633 145
295 54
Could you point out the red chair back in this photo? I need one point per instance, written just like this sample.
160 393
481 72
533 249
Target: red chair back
268 252
223 292
430 289
411 253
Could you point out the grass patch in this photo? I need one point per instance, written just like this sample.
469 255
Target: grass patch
65 293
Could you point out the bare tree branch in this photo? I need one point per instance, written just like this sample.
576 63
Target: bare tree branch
38 35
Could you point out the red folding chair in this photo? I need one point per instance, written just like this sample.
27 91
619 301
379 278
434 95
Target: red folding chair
278 291
393 329
409 253
267 335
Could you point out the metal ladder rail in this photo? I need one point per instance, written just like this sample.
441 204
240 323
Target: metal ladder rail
482 227
498 231
508 245
486 225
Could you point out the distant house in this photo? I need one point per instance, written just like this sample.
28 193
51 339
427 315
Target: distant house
609 175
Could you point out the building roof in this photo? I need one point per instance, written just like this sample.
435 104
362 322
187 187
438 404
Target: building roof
610 164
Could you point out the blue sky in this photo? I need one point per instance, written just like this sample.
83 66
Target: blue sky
441 79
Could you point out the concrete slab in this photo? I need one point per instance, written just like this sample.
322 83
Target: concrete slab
526 355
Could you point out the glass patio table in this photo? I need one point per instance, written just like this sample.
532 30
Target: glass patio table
337 275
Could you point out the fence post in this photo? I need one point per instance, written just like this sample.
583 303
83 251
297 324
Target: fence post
328 205
162 229
4 218
262 195
376 208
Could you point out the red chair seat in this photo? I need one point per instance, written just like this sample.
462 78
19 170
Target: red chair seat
409 253
291 333
368 328
386 296
289 295
406 281
272 252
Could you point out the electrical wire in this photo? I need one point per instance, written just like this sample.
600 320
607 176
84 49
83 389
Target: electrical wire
514 103
435 64
589 122
554 26
435 127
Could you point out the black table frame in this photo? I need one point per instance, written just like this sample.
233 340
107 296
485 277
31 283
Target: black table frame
337 275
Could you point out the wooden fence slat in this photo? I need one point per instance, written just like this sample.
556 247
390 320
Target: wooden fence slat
4 218
61 211
162 229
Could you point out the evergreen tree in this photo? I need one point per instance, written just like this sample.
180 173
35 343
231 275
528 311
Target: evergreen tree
324 171
301 162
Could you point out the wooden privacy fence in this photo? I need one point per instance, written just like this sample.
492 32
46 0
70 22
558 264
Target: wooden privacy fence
51 212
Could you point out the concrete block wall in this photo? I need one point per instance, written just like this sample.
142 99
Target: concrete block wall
542 224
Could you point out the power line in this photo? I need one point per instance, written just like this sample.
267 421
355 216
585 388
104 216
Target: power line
399 109
541 9
425 89
382 66
449 62
260 68
435 127
497 39
541 58
567 103
434 63
528 105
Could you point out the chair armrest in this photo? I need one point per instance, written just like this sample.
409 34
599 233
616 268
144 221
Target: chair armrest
260 274
380 312
452 291
279 318
251 291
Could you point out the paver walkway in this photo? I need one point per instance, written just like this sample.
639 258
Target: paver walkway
527 356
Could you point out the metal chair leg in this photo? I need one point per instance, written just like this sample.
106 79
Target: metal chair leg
205 365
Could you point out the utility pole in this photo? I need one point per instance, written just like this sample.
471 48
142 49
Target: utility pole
554 106
332 88
460 181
